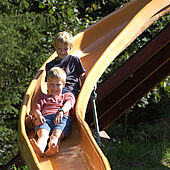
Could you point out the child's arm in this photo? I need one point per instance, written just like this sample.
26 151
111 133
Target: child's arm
39 116
82 79
66 107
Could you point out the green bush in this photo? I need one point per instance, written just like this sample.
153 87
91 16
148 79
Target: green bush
23 48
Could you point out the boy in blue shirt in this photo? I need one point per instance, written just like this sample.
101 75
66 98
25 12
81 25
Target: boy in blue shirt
63 43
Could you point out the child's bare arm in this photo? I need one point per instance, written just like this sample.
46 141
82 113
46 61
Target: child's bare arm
39 116
82 79
66 107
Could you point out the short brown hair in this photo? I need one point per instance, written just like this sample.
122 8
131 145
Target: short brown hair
57 72
63 37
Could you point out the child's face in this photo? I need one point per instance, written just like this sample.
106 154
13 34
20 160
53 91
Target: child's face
54 86
62 50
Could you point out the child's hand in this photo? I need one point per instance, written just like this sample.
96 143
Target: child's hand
58 118
41 119
35 121
28 122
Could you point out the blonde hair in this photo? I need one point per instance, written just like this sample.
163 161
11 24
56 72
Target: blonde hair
63 37
58 73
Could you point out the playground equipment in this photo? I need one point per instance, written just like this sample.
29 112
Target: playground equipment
97 47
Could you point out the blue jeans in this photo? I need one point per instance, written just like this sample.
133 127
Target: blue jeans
64 126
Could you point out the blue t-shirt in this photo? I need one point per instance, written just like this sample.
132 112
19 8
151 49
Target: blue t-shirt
73 67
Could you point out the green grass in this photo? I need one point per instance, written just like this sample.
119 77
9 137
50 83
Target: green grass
144 149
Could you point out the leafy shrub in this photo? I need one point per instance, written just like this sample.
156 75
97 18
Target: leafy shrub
23 48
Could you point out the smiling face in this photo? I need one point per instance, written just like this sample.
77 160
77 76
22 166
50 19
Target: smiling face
54 86
62 50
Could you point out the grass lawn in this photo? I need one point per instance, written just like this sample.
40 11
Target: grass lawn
146 148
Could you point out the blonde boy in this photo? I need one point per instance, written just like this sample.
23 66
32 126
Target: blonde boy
63 43
52 112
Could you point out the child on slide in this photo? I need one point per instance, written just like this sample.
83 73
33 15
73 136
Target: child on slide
52 111
63 43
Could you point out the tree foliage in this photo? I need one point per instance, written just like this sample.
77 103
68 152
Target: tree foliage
26 29
23 47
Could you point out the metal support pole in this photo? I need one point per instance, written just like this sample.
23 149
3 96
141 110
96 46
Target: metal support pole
94 97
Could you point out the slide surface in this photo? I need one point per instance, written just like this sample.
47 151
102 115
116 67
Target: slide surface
97 47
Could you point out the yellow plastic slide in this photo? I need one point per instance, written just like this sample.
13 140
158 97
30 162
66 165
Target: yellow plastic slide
97 47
